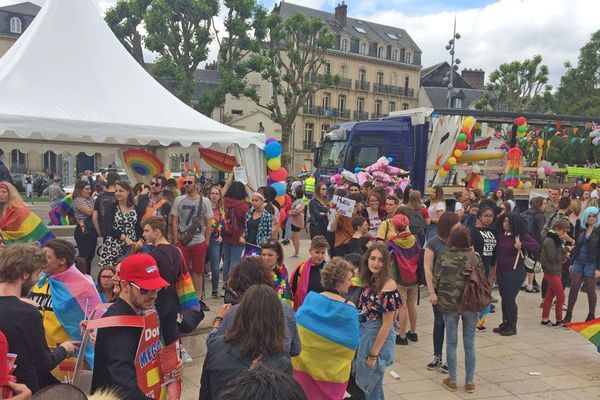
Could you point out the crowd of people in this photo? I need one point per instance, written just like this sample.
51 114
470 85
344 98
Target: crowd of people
328 325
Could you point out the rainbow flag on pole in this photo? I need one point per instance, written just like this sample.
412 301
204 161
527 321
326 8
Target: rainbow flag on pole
59 214
329 334
589 330
20 225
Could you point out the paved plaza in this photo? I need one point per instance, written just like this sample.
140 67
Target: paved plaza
568 364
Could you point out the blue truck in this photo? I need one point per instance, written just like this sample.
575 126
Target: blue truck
360 144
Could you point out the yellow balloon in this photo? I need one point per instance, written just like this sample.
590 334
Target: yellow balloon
443 172
469 121
520 185
593 181
274 163
458 153
527 185
452 161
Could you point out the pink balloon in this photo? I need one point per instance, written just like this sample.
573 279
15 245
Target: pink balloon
362 177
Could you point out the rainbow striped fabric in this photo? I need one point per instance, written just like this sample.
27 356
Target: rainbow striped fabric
60 212
20 225
188 299
329 334
589 330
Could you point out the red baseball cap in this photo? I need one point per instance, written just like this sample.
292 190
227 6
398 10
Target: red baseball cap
141 269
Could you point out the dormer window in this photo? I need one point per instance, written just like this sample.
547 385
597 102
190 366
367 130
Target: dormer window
360 30
395 54
15 25
408 57
344 45
381 52
363 48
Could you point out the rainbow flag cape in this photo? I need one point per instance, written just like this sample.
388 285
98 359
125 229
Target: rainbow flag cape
20 225
589 330
219 161
60 212
477 181
74 297
329 334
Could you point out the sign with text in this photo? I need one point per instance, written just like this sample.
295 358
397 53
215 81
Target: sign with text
239 174
344 205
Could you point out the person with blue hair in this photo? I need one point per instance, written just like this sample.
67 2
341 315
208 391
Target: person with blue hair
585 259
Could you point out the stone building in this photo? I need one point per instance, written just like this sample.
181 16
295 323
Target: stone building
468 87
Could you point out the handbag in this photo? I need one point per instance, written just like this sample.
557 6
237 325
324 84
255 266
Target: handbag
186 236
190 308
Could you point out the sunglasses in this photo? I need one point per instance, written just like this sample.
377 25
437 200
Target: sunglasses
188 182
142 291
157 184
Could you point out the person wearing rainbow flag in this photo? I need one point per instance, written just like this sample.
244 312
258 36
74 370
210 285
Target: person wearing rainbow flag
17 223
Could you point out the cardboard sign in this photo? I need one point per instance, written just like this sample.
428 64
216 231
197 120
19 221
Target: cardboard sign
344 205
239 173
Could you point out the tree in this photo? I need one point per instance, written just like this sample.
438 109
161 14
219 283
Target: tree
290 61
579 89
245 27
124 19
179 31
520 86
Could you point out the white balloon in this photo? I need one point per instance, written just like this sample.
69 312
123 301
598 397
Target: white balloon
541 173
476 169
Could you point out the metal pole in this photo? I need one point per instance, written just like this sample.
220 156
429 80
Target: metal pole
452 66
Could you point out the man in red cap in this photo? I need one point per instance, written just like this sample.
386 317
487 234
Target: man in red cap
140 281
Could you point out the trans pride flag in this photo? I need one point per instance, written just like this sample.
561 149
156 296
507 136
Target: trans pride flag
329 334
589 330
20 225
74 297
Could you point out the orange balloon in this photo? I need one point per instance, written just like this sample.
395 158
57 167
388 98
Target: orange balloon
280 200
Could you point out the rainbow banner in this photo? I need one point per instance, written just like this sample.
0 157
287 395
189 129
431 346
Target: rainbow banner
20 225
60 212
219 161
477 181
143 162
74 297
512 170
589 330
329 334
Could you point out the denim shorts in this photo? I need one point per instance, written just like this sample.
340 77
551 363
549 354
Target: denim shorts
587 269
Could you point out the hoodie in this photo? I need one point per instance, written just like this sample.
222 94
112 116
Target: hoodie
238 208
406 251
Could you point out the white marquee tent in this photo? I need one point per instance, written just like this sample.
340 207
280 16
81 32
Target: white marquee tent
68 85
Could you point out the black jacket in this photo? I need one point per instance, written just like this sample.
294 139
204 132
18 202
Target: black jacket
224 363
115 354
164 210
109 219
592 244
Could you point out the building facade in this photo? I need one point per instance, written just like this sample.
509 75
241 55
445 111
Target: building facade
468 87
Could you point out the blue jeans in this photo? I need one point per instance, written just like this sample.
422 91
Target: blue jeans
586 269
214 256
438 331
232 253
431 231
509 285
287 234
469 324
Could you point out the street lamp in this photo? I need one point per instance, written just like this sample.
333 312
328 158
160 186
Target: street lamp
449 79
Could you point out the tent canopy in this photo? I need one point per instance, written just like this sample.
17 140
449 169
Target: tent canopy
69 79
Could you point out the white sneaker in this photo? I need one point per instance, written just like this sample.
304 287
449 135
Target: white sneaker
185 356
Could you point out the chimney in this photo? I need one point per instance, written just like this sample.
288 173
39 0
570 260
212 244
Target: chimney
341 13
475 77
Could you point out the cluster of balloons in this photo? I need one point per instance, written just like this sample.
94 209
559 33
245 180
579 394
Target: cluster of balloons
545 169
462 143
521 124
277 174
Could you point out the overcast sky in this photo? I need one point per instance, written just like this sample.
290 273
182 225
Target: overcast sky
493 32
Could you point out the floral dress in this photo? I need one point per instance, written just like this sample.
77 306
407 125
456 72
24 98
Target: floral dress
281 285
113 248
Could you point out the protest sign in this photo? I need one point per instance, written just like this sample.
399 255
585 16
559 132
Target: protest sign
344 205
239 174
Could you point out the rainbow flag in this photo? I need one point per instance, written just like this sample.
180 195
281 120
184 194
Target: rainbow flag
512 169
477 181
329 334
589 330
60 212
20 225
143 162
218 160
188 299
74 297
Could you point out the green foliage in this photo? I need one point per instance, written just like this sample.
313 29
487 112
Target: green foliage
579 89
519 86
124 19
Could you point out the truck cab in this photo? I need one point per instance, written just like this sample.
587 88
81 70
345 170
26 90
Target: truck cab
360 144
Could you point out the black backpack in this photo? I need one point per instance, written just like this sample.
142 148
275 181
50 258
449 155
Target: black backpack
417 223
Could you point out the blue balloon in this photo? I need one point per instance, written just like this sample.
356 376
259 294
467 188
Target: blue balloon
273 150
279 188
269 140
357 170
390 160
340 170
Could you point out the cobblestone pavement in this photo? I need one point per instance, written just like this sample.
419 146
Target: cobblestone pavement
568 365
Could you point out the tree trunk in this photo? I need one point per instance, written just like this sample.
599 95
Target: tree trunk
287 145
137 51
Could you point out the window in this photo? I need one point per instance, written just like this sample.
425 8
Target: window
405 106
359 29
392 106
457 102
18 161
327 68
378 106
309 129
341 102
363 156
310 101
406 81
326 101
237 112
360 104
381 52
395 54
391 35
363 48
15 25
324 130
362 75
408 57
380 79
344 45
